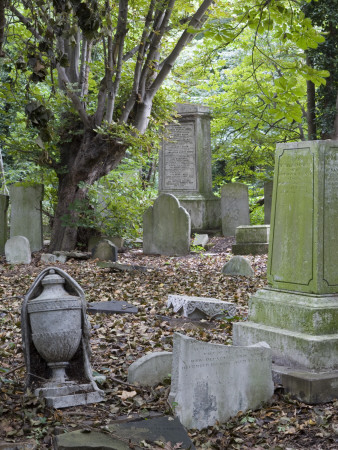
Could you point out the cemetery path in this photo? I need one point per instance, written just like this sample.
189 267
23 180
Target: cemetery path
118 340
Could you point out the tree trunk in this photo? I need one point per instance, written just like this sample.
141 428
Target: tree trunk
88 157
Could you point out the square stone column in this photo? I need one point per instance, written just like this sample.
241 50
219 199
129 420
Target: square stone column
298 314
185 167
4 200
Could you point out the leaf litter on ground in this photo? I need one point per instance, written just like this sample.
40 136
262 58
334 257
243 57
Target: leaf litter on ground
118 340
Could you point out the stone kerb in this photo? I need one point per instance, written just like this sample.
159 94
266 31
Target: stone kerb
234 207
26 214
4 200
213 382
166 228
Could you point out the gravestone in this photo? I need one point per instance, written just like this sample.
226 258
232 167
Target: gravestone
212 382
185 166
200 240
251 240
268 187
17 250
105 250
4 199
50 258
166 228
200 307
298 313
26 214
238 265
150 369
94 240
234 207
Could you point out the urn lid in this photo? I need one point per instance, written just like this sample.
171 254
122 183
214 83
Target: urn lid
52 278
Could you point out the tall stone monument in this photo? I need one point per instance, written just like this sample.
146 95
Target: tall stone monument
26 213
298 314
185 166
4 199
234 207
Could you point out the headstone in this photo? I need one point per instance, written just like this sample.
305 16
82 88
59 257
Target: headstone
4 199
166 228
17 250
150 369
185 166
112 307
251 240
155 433
26 214
238 265
200 240
200 307
268 186
213 382
105 250
55 337
234 207
297 314
50 258
94 240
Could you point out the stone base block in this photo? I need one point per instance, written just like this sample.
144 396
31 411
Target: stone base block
308 387
250 248
69 395
252 233
291 348
205 213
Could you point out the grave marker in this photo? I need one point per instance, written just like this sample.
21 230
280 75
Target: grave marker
234 207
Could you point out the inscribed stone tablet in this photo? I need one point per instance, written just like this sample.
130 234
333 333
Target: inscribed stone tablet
179 158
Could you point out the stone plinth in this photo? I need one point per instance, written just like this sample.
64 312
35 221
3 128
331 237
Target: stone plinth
166 228
26 214
4 200
251 239
298 315
185 166
234 207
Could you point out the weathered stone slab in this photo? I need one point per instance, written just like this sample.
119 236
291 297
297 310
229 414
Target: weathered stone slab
166 228
200 240
238 265
94 240
105 250
26 214
268 187
4 200
253 234
200 307
122 267
72 254
50 258
17 250
213 382
151 369
234 207
88 440
111 307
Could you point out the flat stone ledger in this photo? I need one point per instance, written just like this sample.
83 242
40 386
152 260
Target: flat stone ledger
26 214
4 201
185 166
298 315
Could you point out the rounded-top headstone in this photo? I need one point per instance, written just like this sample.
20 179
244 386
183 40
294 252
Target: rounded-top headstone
105 250
17 250
238 265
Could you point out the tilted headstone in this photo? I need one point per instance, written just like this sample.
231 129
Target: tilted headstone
234 207
4 200
185 166
166 228
298 317
200 240
251 240
268 187
105 250
150 369
26 214
17 250
212 382
94 240
238 265
200 307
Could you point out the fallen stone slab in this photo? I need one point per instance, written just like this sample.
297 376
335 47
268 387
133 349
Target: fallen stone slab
17 445
50 258
121 267
238 265
151 369
111 307
75 255
88 440
200 307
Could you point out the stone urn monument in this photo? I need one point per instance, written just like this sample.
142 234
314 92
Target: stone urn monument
55 334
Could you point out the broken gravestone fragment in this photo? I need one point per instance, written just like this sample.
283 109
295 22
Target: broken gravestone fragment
151 369
105 250
55 335
200 307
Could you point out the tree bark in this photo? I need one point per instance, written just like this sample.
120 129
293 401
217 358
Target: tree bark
311 106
